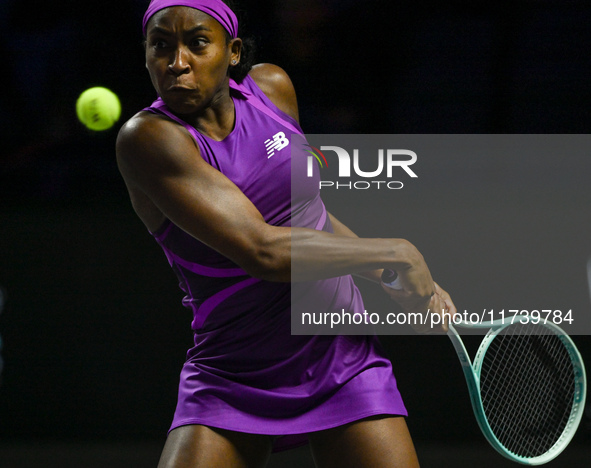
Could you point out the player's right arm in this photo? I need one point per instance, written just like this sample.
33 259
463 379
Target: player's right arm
167 178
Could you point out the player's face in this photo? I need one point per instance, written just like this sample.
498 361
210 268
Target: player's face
187 56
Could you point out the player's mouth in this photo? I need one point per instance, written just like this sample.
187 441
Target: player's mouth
179 88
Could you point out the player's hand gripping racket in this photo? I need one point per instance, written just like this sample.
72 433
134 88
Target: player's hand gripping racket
527 385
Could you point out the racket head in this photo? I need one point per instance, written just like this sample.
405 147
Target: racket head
531 390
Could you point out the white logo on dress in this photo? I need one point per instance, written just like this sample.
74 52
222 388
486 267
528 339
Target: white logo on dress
278 142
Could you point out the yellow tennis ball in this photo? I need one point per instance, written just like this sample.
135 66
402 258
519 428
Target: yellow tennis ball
98 108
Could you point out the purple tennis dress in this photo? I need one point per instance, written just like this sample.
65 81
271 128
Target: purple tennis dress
246 371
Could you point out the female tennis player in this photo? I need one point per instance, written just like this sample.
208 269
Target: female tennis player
200 176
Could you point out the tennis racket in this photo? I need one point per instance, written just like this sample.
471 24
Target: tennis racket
527 385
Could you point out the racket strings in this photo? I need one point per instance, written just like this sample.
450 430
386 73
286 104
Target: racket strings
530 426
512 426
527 383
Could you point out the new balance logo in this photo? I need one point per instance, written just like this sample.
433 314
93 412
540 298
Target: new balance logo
277 143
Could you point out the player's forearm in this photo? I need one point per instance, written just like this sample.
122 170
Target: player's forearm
300 254
316 255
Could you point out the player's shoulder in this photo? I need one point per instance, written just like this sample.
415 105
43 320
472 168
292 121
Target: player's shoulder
270 77
150 138
142 127
277 86
146 129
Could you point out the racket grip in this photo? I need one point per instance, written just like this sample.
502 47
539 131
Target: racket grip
390 279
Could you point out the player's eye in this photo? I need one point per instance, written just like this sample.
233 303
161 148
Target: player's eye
198 42
159 44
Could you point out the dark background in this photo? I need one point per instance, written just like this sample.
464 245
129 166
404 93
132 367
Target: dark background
93 331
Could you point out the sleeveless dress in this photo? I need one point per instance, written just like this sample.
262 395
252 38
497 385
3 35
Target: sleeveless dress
246 371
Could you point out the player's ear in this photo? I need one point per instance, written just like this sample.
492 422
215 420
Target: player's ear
145 45
235 50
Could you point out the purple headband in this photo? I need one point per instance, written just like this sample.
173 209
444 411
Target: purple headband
214 8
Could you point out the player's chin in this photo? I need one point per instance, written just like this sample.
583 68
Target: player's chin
183 103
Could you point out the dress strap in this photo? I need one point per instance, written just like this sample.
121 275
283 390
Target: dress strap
260 105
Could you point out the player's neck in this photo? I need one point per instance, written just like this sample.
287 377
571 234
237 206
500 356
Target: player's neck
218 120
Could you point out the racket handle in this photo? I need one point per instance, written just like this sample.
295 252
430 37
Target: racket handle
390 279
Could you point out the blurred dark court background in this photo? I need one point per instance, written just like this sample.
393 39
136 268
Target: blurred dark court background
92 329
